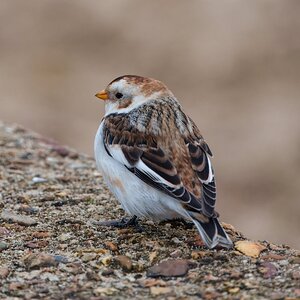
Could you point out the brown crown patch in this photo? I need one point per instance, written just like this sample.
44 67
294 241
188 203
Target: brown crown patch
148 85
131 79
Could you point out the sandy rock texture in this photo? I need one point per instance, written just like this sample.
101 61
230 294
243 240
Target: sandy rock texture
50 247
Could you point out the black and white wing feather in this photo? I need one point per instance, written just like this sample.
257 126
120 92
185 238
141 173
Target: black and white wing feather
183 171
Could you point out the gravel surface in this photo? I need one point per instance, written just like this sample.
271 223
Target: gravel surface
51 247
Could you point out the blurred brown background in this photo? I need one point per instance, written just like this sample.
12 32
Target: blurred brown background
234 65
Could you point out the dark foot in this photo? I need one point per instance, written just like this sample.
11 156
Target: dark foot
123 223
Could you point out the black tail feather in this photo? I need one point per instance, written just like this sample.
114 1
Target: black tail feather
212 233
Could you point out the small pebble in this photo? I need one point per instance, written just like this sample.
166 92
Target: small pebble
49 276
273 256
234 290
88 257
175 240
64 237
249 248
32 245
12 217
268 269
105 291
28 209
283 262
4 272
38 180
3 246
169 268
296 275
199 254
61 259
40 234
112 246
124 261
108 272
175 254
39 260
156 291
106 260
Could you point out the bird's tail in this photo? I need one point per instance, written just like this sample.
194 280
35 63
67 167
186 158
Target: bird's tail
212 233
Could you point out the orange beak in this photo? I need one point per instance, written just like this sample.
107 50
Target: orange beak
102 95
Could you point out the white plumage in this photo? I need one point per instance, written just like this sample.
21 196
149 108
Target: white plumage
136 197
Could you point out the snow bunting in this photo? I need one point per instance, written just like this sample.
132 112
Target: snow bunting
154 158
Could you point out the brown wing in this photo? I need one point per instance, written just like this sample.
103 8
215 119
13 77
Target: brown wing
177 171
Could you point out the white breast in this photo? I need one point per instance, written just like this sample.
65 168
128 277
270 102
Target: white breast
136 197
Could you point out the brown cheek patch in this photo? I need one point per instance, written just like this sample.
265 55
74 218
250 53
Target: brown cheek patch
125 103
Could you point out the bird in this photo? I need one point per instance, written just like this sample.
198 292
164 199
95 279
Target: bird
154 159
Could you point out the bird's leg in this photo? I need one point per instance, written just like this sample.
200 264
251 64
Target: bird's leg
123 223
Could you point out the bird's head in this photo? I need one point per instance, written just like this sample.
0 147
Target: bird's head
130 91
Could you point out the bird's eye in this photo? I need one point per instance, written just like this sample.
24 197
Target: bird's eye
119 95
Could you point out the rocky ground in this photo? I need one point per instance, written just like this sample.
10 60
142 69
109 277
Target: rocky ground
51 248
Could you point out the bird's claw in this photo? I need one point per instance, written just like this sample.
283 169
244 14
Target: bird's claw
123 223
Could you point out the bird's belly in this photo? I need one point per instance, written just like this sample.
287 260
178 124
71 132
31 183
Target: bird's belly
136 197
